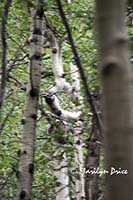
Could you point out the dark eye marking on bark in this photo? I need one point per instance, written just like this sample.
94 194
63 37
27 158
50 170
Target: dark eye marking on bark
22 194
54 50
19 152
36 56
34 92
78 142
93 154
23 121
40 12
57 183
108 68
31 168
34 116
24 152
37 31
122 39
32 39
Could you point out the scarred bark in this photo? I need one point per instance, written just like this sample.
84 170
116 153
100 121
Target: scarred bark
61 174
57 66
79 180
26 165
77 60
60 162
61 84
60 157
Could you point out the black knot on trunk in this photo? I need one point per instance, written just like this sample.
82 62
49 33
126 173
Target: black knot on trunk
22 194
23 121
58 183
49 98
40 12
34 92
34 116
31 168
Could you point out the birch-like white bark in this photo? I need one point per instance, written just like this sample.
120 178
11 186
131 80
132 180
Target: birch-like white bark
61 174
61 83
55 107
78 140
26 164
60 161
68 1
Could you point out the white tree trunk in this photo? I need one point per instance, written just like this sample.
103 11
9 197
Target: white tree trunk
26 165
61 175
60 161
61 83
78 140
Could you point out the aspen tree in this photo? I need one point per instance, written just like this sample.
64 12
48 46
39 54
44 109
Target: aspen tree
26 165
116 74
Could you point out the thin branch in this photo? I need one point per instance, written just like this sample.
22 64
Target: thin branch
80 67
16 81
2 125
4 51
20 45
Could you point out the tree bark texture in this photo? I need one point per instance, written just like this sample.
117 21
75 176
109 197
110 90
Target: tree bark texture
92 163
79 181
26 165
60 159
80 67
115 75
60 163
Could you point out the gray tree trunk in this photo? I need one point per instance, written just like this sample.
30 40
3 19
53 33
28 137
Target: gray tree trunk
115 74
92 163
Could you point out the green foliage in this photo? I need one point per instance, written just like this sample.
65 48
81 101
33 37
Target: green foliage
80 15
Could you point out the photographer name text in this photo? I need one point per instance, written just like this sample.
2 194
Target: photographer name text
111 171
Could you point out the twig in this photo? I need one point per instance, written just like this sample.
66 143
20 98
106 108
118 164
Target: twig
2 125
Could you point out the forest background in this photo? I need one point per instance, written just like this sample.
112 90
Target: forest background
64 138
